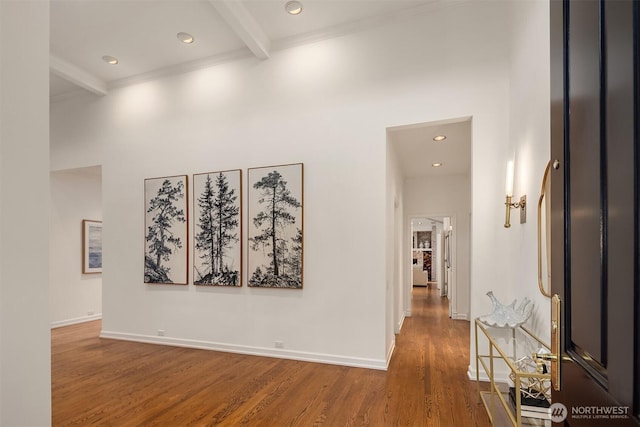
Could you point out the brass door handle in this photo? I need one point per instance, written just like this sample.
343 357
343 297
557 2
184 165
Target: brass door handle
554 356
544 291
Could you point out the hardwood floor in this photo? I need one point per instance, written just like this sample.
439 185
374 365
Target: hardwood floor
117 383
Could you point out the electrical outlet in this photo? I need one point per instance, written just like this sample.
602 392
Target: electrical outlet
279 344
160 332
90 313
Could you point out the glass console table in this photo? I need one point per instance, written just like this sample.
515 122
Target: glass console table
509 352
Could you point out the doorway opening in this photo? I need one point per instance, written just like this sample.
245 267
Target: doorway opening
431 171
431 255
76 291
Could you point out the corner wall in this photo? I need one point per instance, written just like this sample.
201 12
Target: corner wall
528 144
530 134
325 104
25 344
74 297
396 296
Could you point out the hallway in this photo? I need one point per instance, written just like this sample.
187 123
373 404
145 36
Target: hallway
107 382
430 365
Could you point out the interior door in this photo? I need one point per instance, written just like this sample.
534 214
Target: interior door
594 211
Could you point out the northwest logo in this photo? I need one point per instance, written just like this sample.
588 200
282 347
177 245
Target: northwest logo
558 412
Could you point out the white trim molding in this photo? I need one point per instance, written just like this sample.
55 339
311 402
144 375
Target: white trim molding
329 359
499 376
400 323
76 320
460 316
390 351
77 75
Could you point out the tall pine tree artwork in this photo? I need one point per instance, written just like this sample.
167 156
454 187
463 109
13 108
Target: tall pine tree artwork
275 226
217 244
166 230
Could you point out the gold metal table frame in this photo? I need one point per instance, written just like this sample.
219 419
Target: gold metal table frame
496 400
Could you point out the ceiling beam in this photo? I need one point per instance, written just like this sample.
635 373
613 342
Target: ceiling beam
244 25
77 75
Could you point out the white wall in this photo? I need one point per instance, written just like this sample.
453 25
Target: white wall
446 196
25 347
504 260
530 134
326 104
395 257
75 195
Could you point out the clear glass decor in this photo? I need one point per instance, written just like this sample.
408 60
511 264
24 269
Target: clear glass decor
507 315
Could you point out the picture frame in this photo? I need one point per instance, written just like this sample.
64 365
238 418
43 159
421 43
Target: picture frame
217 228
166 238
91 246
275 231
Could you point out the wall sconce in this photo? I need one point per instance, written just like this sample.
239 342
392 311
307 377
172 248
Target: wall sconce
522 204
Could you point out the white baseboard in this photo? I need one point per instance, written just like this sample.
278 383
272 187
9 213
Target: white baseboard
75 321
330 359
399 325
459 316
500 377
390 351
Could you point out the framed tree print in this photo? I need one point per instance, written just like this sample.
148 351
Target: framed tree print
166 230
91 246
275 232
217 235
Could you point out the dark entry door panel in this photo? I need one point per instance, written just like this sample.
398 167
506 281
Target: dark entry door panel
594 202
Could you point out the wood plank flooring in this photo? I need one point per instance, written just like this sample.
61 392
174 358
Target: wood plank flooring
106 382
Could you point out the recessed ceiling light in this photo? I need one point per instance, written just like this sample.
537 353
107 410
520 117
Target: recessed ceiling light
293 7
436 165
439 138
185 38
110 60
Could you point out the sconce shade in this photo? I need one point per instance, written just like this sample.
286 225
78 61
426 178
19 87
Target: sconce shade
509 182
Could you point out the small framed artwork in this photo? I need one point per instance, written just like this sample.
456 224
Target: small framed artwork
166 230
217 234
91 246
275 231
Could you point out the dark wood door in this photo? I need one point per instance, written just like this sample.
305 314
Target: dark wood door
595 210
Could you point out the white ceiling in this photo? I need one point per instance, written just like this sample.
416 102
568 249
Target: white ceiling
142 35
417 151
